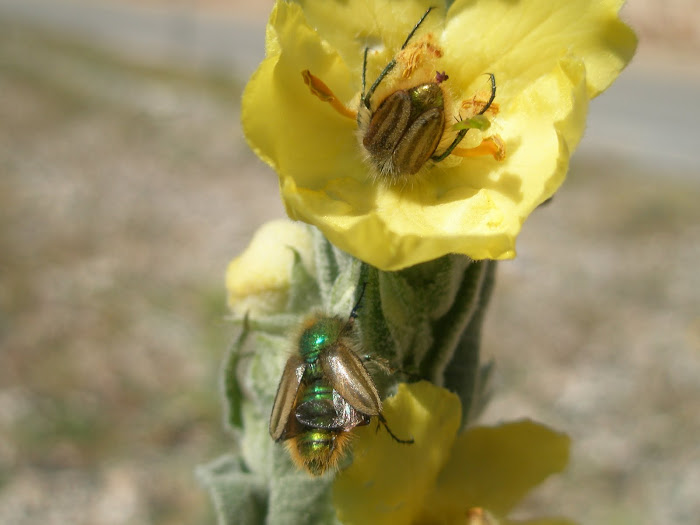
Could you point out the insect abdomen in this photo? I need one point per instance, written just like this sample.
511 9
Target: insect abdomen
315 408
318 450
315 447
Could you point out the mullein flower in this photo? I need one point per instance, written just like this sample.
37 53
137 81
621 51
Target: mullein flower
472 478
416 457
451 147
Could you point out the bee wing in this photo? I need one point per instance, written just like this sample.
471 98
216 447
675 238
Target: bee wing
347 417
286 395
349 377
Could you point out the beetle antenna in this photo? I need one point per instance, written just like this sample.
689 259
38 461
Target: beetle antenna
393 436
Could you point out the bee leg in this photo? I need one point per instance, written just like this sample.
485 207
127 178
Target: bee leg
398 440
356 308
381 363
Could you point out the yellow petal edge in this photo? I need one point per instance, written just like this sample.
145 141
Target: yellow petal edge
549 59
442 475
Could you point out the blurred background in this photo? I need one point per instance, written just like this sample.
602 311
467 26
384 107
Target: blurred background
126 187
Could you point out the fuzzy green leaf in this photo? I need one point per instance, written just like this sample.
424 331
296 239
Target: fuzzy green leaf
239 497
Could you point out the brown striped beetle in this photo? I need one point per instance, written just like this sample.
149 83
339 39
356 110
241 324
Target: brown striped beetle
404 131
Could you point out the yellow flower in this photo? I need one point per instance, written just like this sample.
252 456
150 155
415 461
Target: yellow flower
548 58
443 478
258 280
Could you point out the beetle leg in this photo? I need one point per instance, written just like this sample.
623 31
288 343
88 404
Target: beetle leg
378 80
364 73
451 147
415 28
492 96
498 149
383 422
322 91
492 145
382 363
366 97
356 308
479 516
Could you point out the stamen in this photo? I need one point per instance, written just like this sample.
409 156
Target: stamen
417 53
492 145
322 91
440 77
474 106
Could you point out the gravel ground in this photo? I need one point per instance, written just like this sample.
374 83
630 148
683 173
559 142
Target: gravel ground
124 193
125 190
595 329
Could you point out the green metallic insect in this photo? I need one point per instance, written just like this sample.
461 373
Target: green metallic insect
324 393
406 128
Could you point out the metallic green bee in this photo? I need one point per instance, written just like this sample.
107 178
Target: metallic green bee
324 393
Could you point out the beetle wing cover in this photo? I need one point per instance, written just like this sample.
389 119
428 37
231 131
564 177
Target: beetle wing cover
349 377
286 395
388 124
347 416
419 142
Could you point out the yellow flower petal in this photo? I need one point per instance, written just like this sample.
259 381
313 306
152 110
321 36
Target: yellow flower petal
380 23
495 467
542 521
548 58
258 280
439 478
387 481
473 208
521 41
286 126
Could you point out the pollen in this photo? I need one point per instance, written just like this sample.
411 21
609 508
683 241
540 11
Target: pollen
475 104
323 92
417 54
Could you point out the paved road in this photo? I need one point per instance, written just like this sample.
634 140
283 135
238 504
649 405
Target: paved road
176 34
654 119
650 118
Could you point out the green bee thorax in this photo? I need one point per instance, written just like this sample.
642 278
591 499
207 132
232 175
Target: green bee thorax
319 336
314 373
